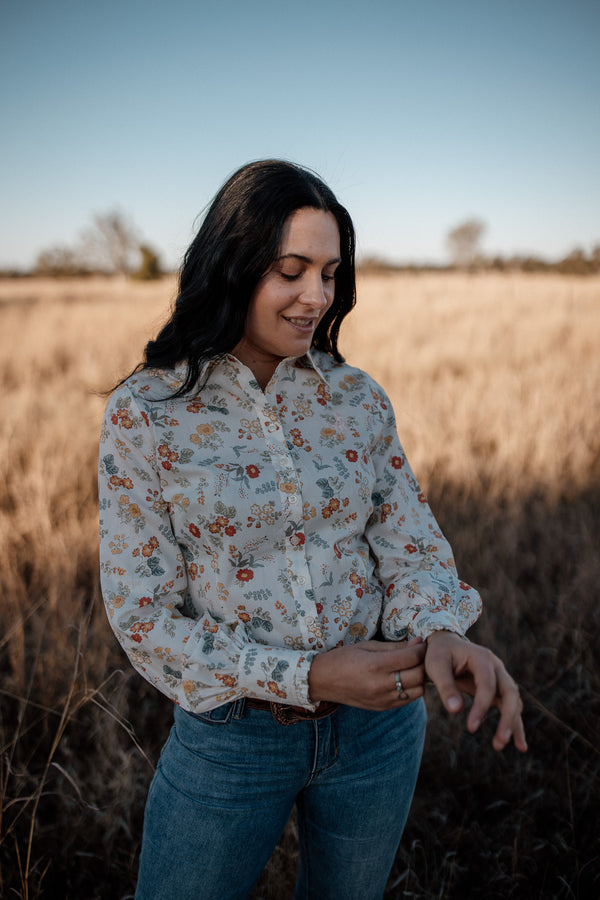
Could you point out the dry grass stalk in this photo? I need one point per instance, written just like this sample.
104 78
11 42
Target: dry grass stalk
496 383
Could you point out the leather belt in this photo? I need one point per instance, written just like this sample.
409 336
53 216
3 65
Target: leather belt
289 715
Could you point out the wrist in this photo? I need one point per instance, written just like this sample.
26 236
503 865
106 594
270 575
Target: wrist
316 678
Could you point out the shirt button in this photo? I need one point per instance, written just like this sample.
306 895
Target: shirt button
293 498
301 579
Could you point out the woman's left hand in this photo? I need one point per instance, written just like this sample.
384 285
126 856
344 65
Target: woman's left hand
456 665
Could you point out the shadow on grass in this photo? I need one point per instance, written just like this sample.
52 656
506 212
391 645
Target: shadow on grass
80 732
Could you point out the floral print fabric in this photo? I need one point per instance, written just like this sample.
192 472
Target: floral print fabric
244 531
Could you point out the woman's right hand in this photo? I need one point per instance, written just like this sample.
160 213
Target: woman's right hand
364 675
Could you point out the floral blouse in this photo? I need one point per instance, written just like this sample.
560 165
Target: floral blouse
243 531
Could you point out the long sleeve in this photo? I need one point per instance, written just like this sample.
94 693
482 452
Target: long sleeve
415 565
196 658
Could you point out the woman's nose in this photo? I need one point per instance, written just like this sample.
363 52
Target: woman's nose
315 294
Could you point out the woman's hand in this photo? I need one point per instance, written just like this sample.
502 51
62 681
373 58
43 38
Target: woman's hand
364 675
455 665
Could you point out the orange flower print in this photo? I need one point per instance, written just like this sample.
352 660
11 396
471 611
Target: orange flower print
323 395
230 530
149 548
397 462
298 539
143 627
228 680
244 575
122 418
168 456
144 601
287 487
422 498
194 530
242 615
252 471
351 455
410 548
275 689
145 418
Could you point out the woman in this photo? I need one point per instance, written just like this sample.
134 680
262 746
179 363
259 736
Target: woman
270 563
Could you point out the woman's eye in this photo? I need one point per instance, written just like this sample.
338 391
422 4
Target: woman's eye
328 277
289 277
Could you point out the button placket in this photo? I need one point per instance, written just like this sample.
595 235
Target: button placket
291 503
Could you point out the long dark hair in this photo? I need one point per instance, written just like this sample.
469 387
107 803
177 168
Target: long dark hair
238 241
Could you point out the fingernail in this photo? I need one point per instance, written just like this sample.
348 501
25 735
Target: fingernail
475 724
453 704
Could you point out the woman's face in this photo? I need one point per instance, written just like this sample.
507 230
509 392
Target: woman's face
293 295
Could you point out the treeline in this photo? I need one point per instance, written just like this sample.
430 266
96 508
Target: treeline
111 245
578 262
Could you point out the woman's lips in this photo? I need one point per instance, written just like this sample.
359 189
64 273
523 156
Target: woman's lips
302 323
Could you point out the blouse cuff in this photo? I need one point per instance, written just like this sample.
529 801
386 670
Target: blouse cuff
426 623
276 674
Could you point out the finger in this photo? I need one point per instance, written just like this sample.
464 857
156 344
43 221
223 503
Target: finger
519 739
510 706
408 686
395 657
439 668
486 681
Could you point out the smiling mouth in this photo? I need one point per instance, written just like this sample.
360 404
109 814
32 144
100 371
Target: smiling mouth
299 322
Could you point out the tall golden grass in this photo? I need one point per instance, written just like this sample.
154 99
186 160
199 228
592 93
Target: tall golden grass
496 384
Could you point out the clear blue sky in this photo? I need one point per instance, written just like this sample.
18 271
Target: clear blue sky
418 113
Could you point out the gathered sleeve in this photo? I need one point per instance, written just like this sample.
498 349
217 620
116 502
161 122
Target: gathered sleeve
414 562
196 660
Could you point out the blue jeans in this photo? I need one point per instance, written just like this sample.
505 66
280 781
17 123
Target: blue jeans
226 784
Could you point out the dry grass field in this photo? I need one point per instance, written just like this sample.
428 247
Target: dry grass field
496 384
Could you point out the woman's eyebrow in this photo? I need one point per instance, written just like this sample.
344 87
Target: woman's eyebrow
307 259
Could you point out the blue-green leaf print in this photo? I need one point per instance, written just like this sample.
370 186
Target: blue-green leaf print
109 464
208 642
173 672
326 488
277 673
155 566
261 623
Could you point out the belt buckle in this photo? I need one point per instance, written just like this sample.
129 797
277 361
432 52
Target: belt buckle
285 715
290 715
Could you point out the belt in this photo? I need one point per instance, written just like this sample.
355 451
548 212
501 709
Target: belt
289 715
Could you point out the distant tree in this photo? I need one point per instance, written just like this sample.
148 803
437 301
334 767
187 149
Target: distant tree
111 244
60 262
150 267
595 258
575 263
463 242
